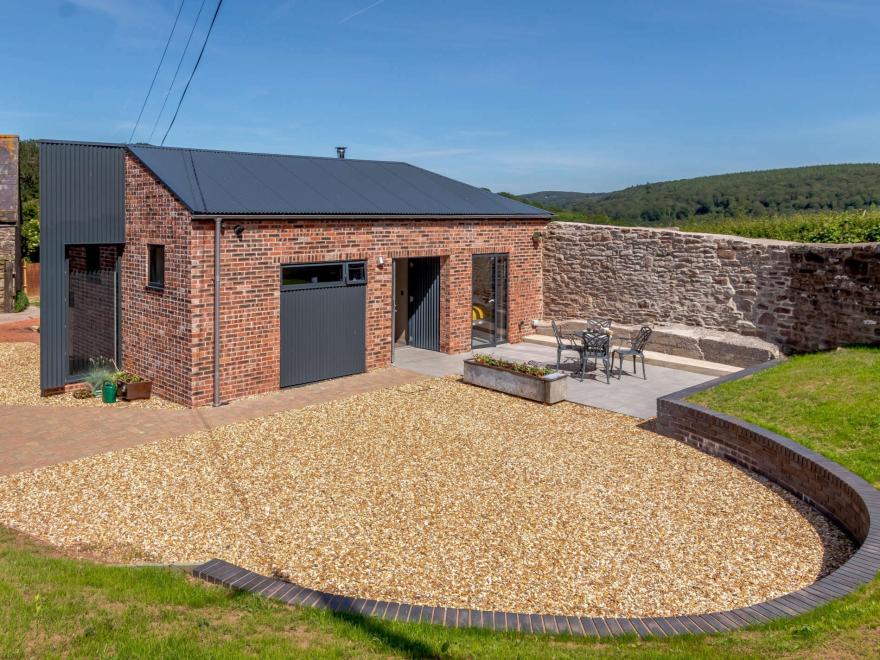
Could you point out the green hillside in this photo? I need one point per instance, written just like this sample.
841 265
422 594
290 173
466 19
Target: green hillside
758 194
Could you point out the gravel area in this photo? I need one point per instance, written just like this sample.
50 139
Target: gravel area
20 383
442 493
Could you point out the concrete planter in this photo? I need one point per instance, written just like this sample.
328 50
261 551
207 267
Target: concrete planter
548 389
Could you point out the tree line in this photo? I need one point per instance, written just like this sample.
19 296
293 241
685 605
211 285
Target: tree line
29 188
815 189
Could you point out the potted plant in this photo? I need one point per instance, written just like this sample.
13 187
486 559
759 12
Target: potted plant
132 387
529 381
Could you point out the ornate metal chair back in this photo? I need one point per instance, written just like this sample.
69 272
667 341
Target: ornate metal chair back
598 325
641 339
596 343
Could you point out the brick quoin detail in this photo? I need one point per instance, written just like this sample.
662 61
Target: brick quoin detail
157 330
168 336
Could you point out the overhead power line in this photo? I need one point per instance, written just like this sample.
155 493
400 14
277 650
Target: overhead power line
177 70
201 52
156 73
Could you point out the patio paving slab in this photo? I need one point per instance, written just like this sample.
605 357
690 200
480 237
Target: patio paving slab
631 395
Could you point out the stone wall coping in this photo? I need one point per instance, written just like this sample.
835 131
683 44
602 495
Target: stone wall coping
858 570
728 237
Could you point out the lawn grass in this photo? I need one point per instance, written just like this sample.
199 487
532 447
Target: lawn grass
829 402
51 605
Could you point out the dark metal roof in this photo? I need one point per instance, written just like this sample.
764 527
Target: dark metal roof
238 183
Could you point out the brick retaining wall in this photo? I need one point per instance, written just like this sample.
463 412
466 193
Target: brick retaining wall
832 489
801 297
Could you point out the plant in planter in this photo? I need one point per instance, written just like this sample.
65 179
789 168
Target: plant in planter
132 387
519 367
530 381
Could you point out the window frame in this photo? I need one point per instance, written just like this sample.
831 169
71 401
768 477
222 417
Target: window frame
151 284
349 281
344 280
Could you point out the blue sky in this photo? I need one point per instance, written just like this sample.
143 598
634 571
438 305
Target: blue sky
513 95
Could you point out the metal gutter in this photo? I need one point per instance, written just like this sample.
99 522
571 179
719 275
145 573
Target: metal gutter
373 216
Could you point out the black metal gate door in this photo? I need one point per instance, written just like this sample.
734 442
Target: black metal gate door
323 333
423 323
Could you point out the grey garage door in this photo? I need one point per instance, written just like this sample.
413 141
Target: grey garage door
323 321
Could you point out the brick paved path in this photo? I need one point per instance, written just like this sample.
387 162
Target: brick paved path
37 436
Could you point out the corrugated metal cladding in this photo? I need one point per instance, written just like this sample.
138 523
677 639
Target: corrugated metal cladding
82 201
224 182
423 324
323 333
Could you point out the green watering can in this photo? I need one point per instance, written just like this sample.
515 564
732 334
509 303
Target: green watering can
108 392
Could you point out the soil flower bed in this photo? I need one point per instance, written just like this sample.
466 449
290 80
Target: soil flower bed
440 493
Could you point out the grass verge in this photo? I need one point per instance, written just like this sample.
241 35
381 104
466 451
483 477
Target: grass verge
829 402
51 605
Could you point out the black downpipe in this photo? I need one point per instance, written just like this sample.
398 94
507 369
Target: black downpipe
218 231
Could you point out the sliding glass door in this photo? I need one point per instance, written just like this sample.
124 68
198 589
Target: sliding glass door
489 300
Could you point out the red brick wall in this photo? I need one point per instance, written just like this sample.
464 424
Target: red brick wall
250 301
156 325
168 335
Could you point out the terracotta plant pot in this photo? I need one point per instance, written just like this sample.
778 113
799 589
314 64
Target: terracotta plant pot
133 391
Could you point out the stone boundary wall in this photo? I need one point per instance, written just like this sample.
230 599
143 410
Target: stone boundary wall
835 491
801 297
7 282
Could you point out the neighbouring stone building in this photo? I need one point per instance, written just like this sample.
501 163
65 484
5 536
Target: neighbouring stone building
801 297
10 208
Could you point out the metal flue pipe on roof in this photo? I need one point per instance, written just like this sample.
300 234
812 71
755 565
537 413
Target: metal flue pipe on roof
340 152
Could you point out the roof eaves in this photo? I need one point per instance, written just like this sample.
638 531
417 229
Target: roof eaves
201 215
85 143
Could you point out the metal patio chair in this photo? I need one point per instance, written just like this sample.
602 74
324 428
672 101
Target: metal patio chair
597 345
598 325
636 350
567 341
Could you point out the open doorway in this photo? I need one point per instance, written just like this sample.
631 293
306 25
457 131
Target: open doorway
416 302
489 300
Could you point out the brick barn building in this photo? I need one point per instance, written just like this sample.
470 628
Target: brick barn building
322 265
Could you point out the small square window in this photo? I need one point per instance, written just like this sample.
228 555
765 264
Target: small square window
156 274
356 273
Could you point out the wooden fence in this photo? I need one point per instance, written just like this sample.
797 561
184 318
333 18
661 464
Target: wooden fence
32 280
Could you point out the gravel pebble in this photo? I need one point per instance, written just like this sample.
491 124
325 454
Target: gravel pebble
440 493
20 383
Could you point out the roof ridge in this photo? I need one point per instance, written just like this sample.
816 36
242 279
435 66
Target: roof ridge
144 145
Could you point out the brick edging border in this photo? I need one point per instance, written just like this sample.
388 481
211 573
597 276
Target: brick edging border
848 499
